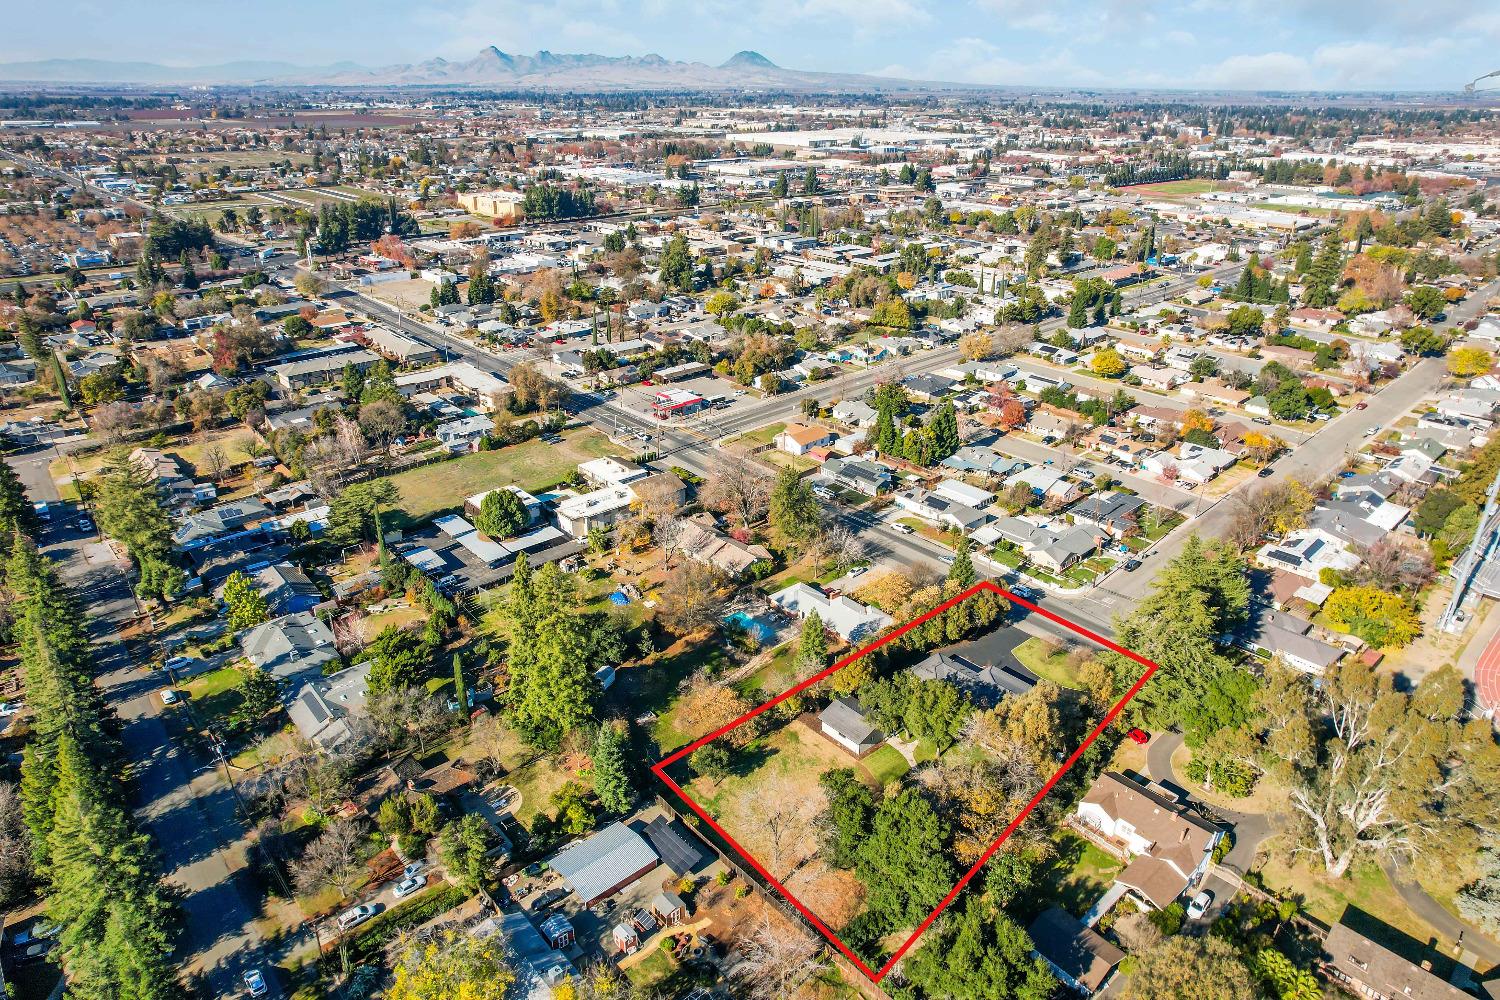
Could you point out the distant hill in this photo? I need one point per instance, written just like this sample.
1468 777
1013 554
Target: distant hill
489 68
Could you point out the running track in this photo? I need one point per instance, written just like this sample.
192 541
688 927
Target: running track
1487 675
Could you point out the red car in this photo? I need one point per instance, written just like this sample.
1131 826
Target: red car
1139 736
1361 405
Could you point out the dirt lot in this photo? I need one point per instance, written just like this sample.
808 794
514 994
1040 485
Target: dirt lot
409 294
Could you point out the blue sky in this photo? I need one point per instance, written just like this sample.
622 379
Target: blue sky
1248 44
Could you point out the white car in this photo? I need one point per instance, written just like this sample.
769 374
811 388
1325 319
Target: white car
8 708
170 697
255 983
1200 904
905 529
856 571
409 885
355 915
177 662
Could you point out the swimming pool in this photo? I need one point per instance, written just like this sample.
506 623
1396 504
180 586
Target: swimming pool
761 631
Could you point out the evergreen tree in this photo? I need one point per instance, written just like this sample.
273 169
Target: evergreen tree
460 687
16 510
944 431
129 508
553 689
246 606
812 645
961 571
501 514
611 776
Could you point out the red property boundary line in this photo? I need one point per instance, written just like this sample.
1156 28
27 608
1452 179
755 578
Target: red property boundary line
876 975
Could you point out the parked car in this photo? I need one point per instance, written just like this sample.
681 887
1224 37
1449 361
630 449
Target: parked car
85 525
1267 471
409 885
1131 565
856 571
255 983
355 915
170 697
1371 431
1139 736
1361 405
8 708
1200 904
1265 421
905 529
1026 593
414 868
176 662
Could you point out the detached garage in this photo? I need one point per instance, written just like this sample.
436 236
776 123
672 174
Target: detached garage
601 865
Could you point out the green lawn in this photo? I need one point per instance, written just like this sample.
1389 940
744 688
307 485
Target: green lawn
762 435
534 465
652 970
1056 668
215 695
1079 874
1177 189
886 764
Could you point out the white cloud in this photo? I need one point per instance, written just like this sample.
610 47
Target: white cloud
976 60
1025 15
866 17
1267 71
1373 64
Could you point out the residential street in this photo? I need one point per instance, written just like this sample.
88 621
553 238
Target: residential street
181 799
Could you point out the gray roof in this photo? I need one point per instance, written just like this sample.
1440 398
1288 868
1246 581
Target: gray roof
220 520
597 864
290 646
846 717
1381 969
538 966
987 683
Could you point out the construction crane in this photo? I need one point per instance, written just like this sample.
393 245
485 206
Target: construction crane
1469 87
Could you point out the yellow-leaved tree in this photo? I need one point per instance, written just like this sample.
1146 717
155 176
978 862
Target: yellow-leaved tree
453 967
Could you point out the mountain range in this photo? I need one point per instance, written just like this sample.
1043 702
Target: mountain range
490 68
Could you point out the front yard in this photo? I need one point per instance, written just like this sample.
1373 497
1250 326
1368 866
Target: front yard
1060 666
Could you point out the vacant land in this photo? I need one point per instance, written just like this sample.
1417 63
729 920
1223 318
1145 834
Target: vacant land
534 465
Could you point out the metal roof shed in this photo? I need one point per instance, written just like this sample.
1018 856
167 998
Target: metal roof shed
601 865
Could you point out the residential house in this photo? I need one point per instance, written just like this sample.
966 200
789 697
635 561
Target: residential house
398 347
288 590
702 542
164 469
1169 847
465 433
985 683
928 388
292 648
609 471
844 722
1050 424
1372 970
1048 547
847 617
1307 552
1115 514
324 707
935 507
1269 632
983 461
869 478
580 513
799 439
855 413
1077 955
960 492
1216 392
220 524
1051 485
1161 379
321 368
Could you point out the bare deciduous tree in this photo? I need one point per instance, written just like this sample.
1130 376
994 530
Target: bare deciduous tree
331 860
775 960
15 844
742 490
216 461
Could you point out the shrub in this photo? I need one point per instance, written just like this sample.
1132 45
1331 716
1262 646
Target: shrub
368 939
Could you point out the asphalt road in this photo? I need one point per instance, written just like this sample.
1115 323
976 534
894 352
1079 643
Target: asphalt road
180 800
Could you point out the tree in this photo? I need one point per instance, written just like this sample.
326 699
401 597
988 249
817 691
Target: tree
611 776
775 960
711 761
676 266
129 509
1424 340
245 604
980 953
501 514
1378 617
1246 321
464 846
554 651
398 658
1391 775
332 860
740 489
15 846
978 345
1205 968
845 821
692 598
961 571
1426 302
453 965
793 510
812 646
1469 361
902 862
16 508
1107 363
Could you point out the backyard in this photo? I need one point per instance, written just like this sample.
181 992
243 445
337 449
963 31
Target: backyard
1078 874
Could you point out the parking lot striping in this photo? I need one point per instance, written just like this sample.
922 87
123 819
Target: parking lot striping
876 975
